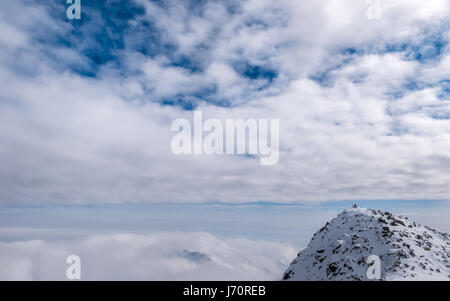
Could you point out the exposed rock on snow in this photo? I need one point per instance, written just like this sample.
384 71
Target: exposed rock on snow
339 250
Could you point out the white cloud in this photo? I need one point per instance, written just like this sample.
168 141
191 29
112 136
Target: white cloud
154 256
71 139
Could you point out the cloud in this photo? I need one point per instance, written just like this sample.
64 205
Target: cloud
154 256
86 113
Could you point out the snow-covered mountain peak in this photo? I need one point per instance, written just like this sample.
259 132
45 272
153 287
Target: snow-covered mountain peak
340 249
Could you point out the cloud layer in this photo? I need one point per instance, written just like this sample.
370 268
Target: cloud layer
154 256
86 107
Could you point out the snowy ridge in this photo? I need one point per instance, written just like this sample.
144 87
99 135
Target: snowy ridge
339 250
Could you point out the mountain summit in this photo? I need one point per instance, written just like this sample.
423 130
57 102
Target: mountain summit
340 250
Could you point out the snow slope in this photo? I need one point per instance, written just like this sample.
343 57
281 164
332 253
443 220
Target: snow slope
339 250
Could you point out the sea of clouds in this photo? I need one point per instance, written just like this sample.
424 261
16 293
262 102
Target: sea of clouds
152 256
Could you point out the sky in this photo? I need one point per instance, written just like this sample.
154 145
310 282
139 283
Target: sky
86 108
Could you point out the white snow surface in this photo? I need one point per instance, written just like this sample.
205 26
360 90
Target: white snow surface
339 250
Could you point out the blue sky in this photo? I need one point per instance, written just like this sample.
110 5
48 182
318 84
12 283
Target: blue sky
86 107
